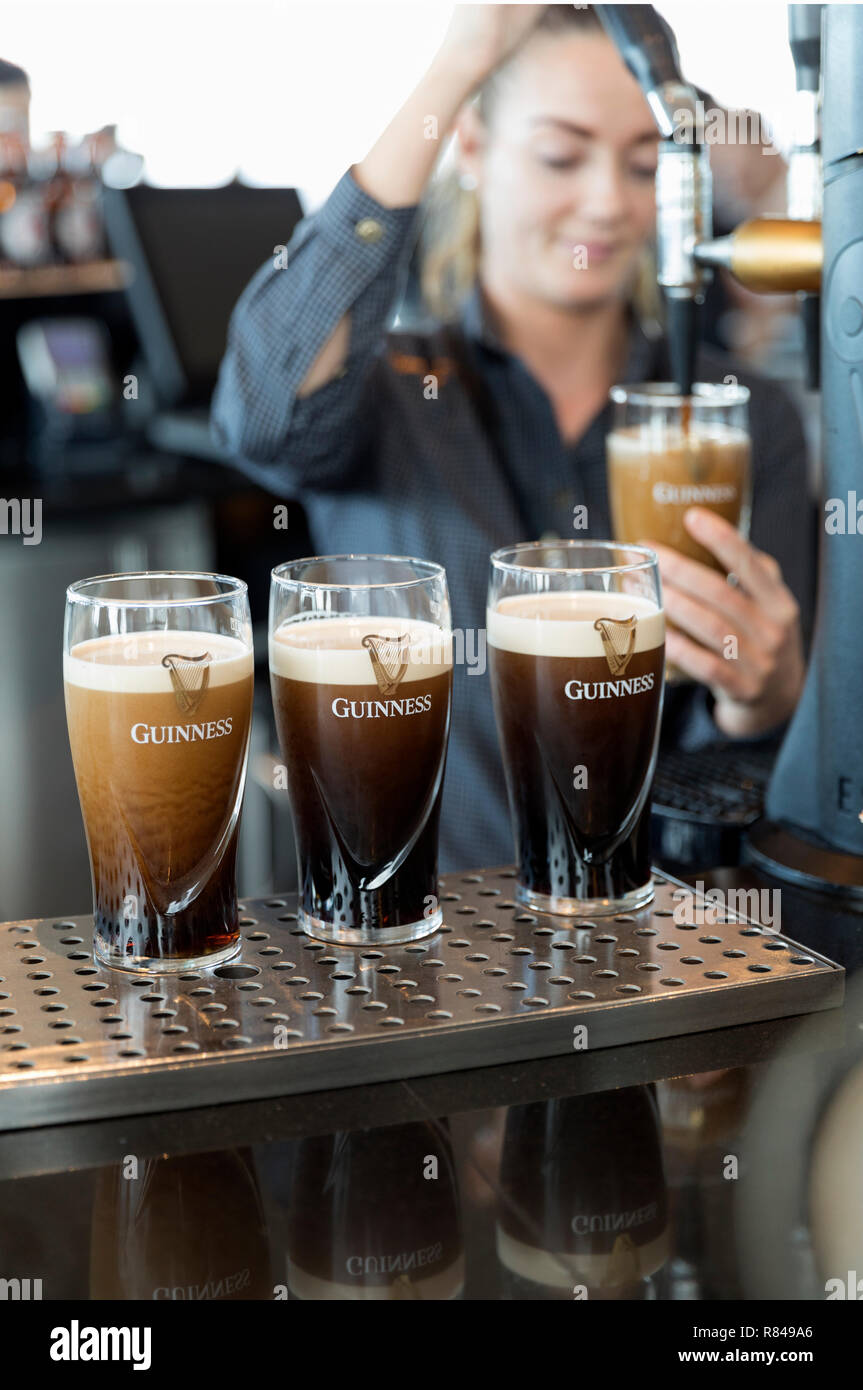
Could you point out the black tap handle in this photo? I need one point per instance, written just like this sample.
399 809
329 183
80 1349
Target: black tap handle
644 41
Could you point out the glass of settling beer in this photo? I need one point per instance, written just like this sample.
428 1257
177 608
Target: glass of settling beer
361 672
667 452
576 637
158 672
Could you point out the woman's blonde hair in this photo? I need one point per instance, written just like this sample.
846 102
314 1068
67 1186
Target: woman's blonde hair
450 243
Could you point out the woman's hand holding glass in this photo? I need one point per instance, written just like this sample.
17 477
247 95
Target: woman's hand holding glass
756 679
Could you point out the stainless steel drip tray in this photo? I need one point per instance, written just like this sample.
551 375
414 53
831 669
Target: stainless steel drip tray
495 984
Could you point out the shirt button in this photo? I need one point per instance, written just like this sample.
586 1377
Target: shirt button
369 230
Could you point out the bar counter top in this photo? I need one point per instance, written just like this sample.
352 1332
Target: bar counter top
682 1168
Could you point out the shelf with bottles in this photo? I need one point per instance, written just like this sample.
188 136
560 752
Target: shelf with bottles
52 236
36 282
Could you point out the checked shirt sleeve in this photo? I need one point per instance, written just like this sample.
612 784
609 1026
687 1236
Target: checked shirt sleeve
344 259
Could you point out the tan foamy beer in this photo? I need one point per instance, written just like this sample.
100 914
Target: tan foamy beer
576 638
158 673
361 675
668 452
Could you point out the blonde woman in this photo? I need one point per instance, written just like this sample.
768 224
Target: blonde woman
489 428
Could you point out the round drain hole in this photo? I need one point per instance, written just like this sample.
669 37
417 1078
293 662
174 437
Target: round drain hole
236 972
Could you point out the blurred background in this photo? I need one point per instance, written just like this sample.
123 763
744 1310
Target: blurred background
151 156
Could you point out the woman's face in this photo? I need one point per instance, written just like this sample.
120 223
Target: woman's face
565 173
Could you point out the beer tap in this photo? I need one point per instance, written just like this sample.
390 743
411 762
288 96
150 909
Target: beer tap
784 255
812 832
684 214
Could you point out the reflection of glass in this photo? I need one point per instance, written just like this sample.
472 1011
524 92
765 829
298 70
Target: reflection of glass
185 1228
576 638
158 673
668 452
375 1215
361 669
583 1197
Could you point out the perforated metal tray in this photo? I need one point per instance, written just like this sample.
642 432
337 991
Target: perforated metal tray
495 984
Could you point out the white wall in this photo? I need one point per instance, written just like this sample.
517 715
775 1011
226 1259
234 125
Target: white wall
293 93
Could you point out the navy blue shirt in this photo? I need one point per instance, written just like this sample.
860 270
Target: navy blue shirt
383 465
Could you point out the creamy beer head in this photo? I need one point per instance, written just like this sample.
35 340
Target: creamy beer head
348 650
156 662
576 623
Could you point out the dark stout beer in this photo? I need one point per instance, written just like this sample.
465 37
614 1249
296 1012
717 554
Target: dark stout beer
577 682
159 730
364 749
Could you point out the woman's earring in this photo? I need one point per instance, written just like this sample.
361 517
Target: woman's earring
467 182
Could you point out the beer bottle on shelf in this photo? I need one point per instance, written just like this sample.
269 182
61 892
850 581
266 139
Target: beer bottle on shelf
25 240
78 230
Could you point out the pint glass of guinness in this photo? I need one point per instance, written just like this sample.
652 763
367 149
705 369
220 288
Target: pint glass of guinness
576 637
361 670
668 452
158 672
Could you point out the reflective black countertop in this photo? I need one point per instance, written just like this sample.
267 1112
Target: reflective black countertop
718 1165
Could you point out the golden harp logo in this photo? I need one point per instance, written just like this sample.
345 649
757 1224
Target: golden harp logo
389 660
618 641
624 1262
190 677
